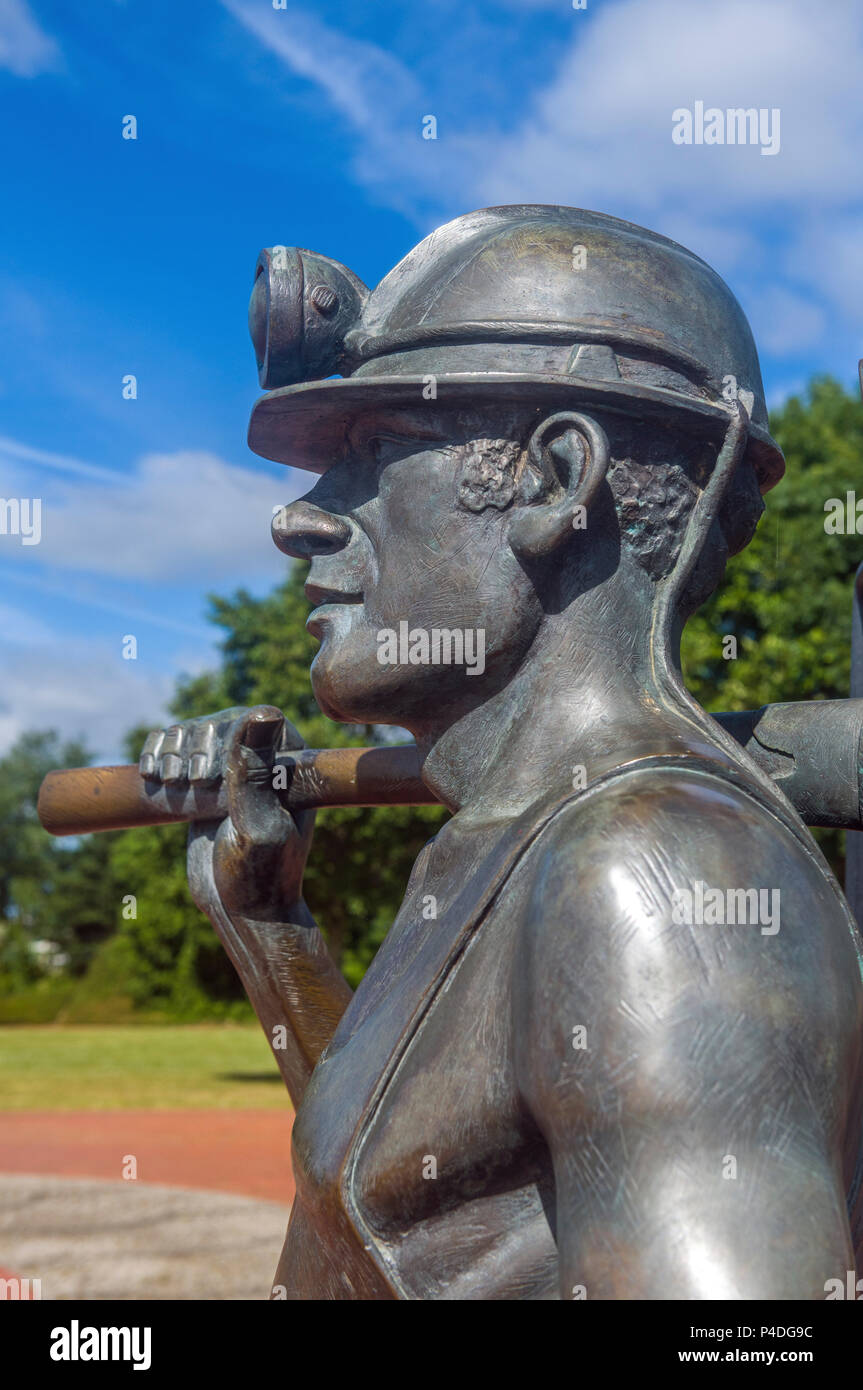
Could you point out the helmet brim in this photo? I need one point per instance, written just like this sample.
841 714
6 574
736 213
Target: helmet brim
305 426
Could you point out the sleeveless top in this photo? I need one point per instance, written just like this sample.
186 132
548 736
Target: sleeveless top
331 1250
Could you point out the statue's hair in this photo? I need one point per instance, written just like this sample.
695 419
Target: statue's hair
655 476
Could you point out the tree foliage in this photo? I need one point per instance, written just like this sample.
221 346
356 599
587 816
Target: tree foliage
50 892
787 597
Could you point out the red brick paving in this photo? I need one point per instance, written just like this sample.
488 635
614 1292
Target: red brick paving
246 1151
24 1292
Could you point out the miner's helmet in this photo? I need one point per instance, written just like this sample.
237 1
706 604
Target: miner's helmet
541 305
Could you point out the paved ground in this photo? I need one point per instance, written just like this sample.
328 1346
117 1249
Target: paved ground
244 1151
205 1217
125 1240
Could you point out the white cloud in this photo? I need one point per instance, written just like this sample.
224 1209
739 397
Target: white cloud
91 592
114 541
788 322
352 72
374 93
23 629
598 135
828 251
80 689
602 127
17 451
784 228
184 516
25 49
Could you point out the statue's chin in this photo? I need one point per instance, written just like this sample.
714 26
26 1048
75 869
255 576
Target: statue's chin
347 681
353 686
352 691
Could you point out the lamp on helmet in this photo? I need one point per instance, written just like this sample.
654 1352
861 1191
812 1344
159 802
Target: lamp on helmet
302 305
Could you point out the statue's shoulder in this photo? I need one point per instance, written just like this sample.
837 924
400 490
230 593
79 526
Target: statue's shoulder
671 805
640 841
676 928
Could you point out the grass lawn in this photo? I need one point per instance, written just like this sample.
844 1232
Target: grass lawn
160 1067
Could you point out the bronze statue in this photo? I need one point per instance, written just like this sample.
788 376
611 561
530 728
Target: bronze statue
611 1047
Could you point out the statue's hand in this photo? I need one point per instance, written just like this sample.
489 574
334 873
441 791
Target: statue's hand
253 862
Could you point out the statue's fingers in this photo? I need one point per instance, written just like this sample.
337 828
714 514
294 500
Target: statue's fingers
149 759
171 763
202 752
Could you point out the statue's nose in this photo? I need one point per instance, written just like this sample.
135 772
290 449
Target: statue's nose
303 531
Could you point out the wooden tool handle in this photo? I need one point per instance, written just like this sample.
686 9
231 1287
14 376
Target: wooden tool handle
813 750
83 799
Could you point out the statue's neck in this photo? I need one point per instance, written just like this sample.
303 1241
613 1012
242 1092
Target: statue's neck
584 700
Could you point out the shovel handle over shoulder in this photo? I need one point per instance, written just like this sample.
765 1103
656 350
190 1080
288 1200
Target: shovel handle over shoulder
812 749
84 799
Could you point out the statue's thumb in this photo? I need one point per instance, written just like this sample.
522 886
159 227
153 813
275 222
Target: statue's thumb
262 728
254 809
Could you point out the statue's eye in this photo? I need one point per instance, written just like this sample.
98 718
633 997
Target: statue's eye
374 447
383 447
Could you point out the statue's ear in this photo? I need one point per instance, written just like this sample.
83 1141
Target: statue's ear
570 452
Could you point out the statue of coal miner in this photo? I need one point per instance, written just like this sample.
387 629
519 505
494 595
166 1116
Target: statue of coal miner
611 1047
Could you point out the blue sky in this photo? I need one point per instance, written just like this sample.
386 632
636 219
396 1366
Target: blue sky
302 126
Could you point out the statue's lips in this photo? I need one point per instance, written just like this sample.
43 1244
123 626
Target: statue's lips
327 609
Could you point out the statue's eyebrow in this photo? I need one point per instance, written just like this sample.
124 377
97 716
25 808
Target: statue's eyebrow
360 432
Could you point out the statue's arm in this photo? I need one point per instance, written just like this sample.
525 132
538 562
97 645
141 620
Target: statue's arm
246 874
693 1083
292 982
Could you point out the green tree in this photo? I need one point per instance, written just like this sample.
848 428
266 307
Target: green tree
172 960
49 890
787 597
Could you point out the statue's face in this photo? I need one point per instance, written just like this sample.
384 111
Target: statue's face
396 560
